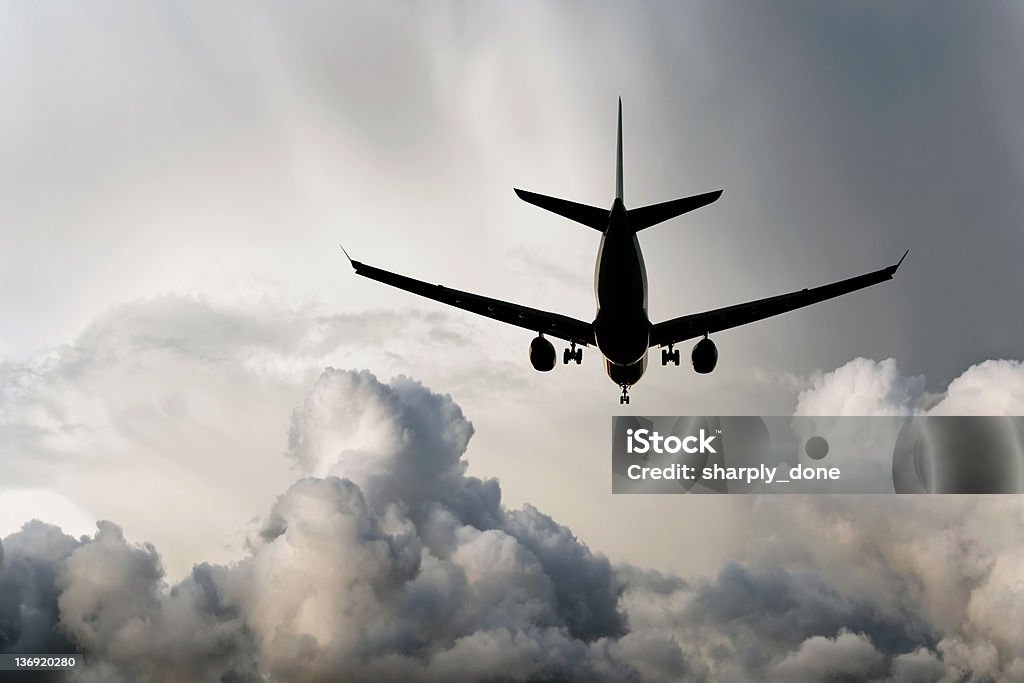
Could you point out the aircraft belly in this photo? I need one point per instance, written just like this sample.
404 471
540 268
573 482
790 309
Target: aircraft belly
622 339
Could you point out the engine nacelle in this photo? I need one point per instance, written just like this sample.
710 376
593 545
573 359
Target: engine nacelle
704 356
542 354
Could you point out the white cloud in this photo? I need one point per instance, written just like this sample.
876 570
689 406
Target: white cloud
867 387
994 387
176 396
861 387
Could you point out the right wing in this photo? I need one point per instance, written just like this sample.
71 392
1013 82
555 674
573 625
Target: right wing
556 325
700 324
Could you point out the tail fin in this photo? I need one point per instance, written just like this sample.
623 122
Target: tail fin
618 158
646 216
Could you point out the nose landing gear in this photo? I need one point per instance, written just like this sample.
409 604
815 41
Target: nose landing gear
670 355
624 399
572 353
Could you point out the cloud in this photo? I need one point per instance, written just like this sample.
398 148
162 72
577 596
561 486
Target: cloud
867 387
994 387
861 387
848 656
387 561
408 568
106 597
919 666
176 393
891 590
28 590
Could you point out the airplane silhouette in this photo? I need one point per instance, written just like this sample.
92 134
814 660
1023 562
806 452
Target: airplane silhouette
621 329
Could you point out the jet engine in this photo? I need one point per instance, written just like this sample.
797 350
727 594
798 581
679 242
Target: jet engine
704 356
542 354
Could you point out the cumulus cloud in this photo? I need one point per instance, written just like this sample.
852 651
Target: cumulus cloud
994 387
407 569
919 666
853 588
174 393
28 590
929 456
861 387
387 561
848 656
867 387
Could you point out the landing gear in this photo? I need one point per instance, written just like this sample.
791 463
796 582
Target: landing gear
572 353
670 356
624 399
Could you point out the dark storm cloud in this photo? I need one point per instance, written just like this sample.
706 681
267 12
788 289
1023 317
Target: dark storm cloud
108 598
409 569
28 590
775 605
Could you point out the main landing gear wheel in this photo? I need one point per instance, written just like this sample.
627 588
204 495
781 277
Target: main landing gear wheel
624 399
572 353
670 356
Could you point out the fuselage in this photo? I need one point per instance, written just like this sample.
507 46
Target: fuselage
621 328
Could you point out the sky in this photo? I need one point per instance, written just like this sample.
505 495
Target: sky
182 343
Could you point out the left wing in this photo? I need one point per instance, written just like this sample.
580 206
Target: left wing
699 324
556 325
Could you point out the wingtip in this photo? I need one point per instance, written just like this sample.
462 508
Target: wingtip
893 268
347 256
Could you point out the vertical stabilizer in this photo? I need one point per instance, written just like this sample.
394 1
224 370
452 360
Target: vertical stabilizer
618 158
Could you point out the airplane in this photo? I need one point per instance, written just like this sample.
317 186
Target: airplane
621 329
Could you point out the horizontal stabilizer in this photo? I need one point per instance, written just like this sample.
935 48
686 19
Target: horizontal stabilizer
591 216
647 216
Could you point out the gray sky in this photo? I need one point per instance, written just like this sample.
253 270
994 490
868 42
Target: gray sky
226 152
176 179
